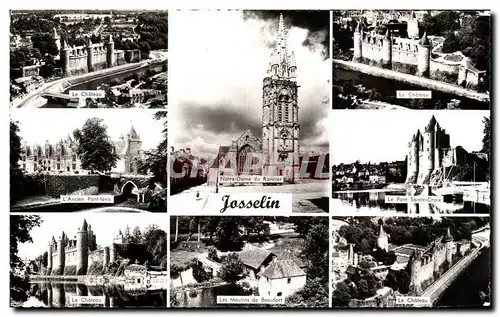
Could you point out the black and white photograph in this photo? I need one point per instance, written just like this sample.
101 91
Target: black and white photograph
413 162
92 160
425 59
88 58
251 98
411 262
88 260
278 262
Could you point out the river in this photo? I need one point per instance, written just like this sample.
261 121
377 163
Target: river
374 203
388 87
464 292
58 295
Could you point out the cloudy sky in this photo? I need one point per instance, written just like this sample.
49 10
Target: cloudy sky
36 126
219 61
378 135
105 226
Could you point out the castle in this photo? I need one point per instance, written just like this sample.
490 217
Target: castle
280 120
87 58
430 151
62 156
75 256
423 52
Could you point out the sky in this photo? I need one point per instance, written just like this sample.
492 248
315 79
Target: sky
219 61
378 135
104 225
36 126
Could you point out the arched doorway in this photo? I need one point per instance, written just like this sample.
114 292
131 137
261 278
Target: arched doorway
128 188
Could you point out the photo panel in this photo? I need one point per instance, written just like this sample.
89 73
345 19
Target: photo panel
411 162
250 107
88 260
411 262
425 59
92 160
249 262
88 58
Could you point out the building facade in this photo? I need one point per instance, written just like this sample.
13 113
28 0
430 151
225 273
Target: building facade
62 156
278 144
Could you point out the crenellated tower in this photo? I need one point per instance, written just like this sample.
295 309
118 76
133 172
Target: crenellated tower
280 119
387 49
426 159
65 58
110 52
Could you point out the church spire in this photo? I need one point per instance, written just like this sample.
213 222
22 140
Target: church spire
281 61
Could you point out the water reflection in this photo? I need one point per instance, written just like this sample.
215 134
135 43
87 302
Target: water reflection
374 202
59 294
207 296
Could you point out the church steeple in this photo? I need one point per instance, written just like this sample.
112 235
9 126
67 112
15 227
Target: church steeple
282 64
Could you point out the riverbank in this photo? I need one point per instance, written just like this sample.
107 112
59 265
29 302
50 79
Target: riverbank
412 80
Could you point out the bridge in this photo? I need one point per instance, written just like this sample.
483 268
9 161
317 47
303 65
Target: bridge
58 98
480 239
133 185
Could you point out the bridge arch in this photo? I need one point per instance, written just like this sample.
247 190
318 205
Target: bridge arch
129 185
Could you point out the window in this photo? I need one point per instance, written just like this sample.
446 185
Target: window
58 166
279 294
73 166
289 280
35 158
138 280
58 158
74 157
280 113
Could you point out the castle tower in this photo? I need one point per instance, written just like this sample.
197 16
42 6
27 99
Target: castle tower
412 26
435 256
426 160
90 56
358 42
65 54
134 152
57 39
82 250
280 123
416 266
110 52
387 49
49 257
424 56
112 253
61 254
383 240
413 159
438 154
105 258
448 240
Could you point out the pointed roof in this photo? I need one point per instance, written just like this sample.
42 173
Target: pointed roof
54 34
413 16
382 233
293 63
84 226
430 126
388 34
425 40
448 236
131 131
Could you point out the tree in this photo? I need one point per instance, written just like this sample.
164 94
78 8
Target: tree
136 235
232 268
228 235
316 251
487 136
16 174
391 280
95 150
210 226
451 43
212 254
156 161
341 295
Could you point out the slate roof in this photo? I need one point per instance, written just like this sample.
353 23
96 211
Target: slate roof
254 257
283 269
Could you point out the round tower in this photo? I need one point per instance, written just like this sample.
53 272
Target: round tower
82 250
49 258
61 255
416 266
424 56
110 52
387 49
65 54
112 253
413 156
90 56
448 240
105 258
426 166
383 240
358 42
57 39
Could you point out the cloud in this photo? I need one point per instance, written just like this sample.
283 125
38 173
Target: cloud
219 60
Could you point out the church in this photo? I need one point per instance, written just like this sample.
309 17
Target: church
278 144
